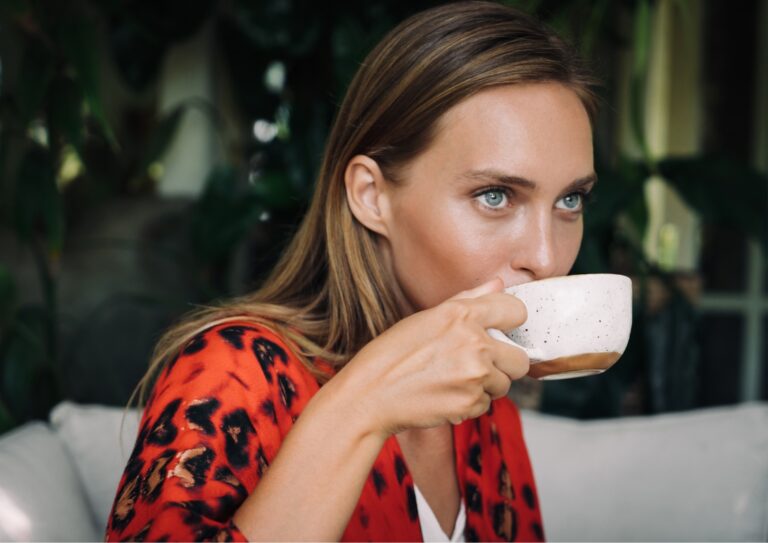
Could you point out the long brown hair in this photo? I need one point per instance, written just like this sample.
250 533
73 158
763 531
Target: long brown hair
330 293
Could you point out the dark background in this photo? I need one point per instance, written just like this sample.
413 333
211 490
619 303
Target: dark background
96 260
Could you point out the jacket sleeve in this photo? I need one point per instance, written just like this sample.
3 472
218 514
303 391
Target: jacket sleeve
215 420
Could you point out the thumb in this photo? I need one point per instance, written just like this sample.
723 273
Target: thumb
494 285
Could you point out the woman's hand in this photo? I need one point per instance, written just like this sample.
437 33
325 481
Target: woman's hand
438 365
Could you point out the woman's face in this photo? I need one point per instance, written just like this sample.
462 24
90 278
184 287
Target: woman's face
499 192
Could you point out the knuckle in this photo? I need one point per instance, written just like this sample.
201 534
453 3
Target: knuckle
456 311
476 370
476 345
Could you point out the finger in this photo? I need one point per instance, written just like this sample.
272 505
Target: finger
480 407
510 360
494 285
498 383
496 310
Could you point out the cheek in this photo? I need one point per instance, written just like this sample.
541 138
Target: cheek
437 253
568 242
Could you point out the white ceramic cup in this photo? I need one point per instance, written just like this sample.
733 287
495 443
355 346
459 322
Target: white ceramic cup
577 325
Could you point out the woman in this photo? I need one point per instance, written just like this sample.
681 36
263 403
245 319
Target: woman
459 163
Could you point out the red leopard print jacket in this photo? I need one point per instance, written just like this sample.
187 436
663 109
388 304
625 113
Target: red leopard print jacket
218 415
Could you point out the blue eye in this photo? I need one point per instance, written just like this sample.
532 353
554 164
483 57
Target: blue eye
494 198
571 202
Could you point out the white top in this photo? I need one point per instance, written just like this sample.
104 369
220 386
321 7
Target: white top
430 527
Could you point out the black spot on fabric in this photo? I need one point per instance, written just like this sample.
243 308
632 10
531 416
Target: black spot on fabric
163 430
199 415
234 336
400 469
127 496
379 483
152 483
237 430
142 534
225 475
208 532
528 496
134 467
168 369
505 487
505 522
227 505
470 534
413 509
196 462
287 390
475 461
363 516
495 436
195 511
196 344
538 531
261 461
268 408
474 498
235 377
193 374
266 352
490 409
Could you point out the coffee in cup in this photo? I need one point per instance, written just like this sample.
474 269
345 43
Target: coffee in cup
577 325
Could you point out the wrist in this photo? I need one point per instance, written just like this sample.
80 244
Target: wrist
343 399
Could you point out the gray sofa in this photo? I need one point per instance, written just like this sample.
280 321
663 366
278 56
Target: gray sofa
693 476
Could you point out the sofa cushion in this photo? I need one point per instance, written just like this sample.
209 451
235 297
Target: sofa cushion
100 450
41 497
699 475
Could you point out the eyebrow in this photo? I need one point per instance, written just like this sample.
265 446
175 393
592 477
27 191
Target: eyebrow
517 181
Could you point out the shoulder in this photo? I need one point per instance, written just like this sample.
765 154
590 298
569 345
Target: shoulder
237 363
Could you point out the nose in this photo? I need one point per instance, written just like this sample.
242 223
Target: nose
535 254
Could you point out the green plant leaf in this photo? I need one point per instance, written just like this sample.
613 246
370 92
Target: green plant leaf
641 45
222 216
66 111
615 192
7 296
35 75
723 191
27 378
38 207
162 136
591 32
79 40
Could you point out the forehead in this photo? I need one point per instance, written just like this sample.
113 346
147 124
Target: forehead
539 131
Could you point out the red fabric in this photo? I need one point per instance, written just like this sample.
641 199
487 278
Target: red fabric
218 415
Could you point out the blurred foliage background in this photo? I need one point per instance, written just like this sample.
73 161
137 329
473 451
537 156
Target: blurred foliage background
96 259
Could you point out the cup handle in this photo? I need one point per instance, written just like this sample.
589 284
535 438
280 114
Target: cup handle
534 354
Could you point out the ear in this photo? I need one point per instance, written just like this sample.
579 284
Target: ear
367 193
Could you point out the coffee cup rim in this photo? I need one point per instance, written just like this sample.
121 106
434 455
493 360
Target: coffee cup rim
561 277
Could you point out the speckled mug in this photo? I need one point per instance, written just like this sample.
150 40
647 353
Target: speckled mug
577 325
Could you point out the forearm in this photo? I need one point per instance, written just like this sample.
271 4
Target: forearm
317 476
